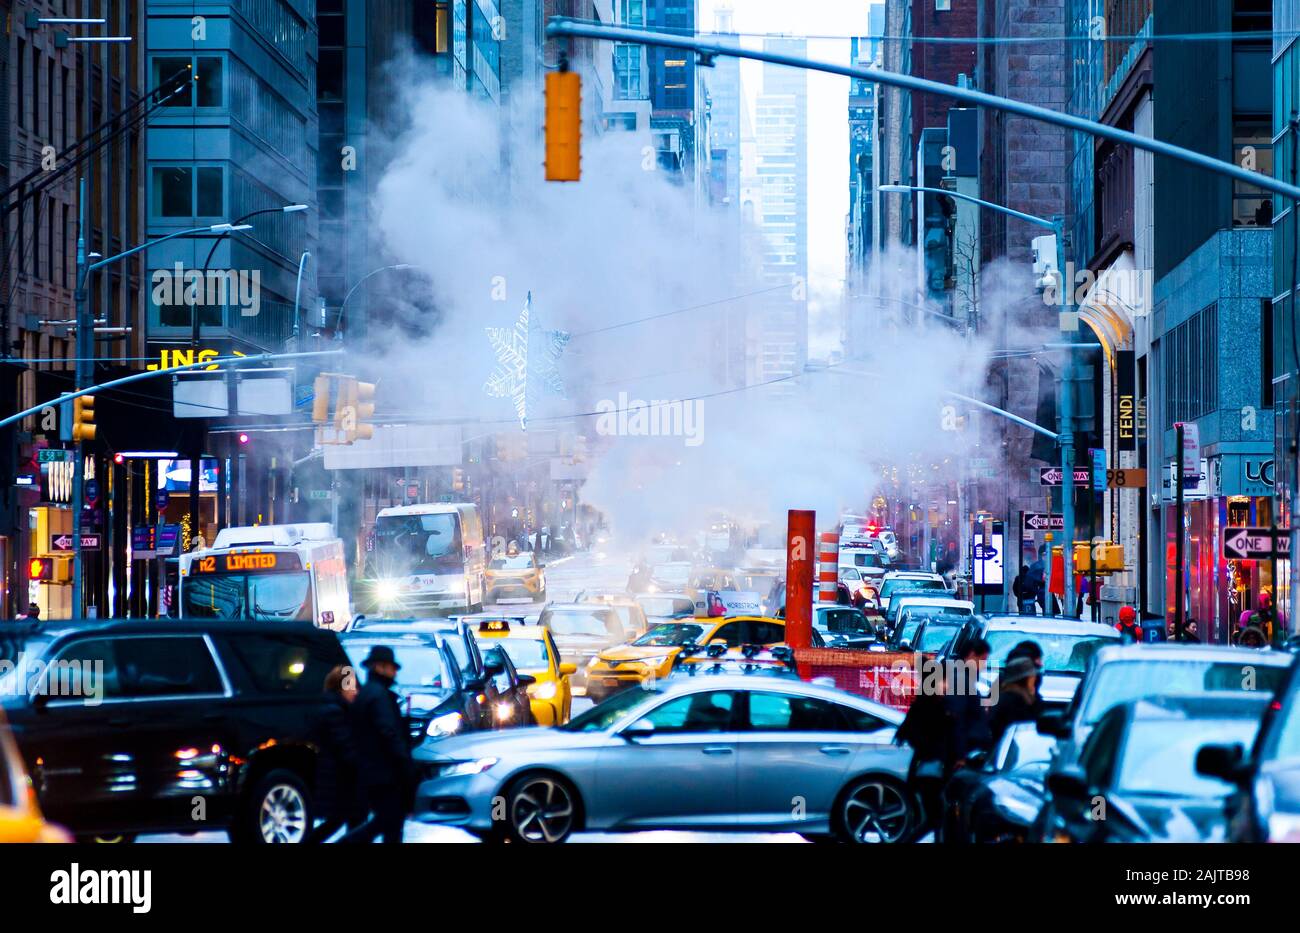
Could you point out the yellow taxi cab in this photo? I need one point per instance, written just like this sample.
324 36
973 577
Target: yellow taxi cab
20 817
652 655
514 576
533 652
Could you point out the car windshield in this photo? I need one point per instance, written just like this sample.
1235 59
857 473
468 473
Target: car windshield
1122 681
665 607
581 622
841 620
672 573
527 654
1063 652
849 574
758 582
912 616
603 715
670 635
513 562
937 635
1160 755
1024 748
410 544
890 587
420 664
248 596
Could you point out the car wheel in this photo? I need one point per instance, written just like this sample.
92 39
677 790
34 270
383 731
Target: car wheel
278 810
540 808
106 839
875 810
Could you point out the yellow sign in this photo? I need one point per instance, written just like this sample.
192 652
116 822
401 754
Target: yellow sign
169 359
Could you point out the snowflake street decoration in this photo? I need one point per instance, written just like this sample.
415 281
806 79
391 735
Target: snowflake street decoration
528 360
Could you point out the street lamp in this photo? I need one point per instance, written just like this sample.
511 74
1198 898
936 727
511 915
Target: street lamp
85 346
1066 437
338 321
196 459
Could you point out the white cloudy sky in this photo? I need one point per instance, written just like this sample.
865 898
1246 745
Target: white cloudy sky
828 141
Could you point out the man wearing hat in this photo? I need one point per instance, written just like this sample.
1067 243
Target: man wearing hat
385 769
1017 696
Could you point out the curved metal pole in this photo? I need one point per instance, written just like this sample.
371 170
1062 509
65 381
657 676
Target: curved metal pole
150 374
1000 208
561 27
338 321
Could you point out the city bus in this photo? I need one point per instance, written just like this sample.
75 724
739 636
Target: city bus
268 572
426 558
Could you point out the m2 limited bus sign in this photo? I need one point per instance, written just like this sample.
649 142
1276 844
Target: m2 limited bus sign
244 563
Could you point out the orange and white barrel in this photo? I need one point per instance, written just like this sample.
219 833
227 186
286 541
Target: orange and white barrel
828 557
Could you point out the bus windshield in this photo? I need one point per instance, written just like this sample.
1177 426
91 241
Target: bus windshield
257 596
414 544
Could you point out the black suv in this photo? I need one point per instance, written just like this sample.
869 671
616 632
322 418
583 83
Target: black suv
167 725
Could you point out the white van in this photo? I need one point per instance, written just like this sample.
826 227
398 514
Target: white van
427 558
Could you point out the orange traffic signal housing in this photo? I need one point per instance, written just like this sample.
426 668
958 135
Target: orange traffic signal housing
563 126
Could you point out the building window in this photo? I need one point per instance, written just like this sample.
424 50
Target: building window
206 90
631 12
22 83
627 72
1191 367
181 191
1266 353
1252 146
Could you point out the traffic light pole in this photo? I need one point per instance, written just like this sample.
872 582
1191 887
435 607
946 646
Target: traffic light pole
84 374
1066 427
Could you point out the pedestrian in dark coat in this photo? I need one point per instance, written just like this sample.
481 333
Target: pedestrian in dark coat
972 733
1018 699
930 728
385 769
338 791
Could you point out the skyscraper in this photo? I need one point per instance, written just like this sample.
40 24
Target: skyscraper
781 138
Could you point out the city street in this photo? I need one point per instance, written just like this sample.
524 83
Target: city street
869 422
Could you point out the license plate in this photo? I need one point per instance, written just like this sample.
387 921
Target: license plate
610 681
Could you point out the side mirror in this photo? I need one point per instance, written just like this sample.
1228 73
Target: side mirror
1069 783
641 729
527 680
1224 762
493 668
568 667
1054 724
977 759
905 645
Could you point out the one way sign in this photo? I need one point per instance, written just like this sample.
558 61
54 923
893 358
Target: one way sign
1248 543
64 542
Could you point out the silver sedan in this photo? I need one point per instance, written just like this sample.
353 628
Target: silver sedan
718 753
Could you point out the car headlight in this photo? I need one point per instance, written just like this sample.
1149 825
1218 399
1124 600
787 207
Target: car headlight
387 591
657 660
544 691
593 661
477 766
447 724
505 712
457 587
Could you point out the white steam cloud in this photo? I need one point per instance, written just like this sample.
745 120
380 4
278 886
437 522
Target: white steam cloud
625 244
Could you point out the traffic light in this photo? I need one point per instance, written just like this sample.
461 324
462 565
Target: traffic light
320 401
364 397
49 569
83 418
355 405
563 125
